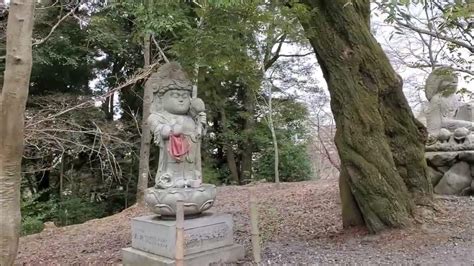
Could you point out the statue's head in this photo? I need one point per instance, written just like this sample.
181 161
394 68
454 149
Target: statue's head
171 89
442 81
176 101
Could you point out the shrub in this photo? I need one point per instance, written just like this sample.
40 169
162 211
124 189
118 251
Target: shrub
31 225
211 175
69 210
77 210
294 164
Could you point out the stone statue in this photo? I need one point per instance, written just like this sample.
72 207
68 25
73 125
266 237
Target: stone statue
450 147
178 122
445 109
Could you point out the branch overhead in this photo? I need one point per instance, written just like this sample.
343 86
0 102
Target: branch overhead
437 35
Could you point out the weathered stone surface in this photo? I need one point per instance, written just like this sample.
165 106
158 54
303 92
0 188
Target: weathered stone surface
178 121
460 134
448 120
465 112
204 233
445 109
443 169
450 145
455 180
468 145
434 176
219 256
467 156
196 200
441 158
466 191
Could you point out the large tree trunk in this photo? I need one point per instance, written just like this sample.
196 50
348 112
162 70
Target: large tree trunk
380 143
144 163
12 110
351 215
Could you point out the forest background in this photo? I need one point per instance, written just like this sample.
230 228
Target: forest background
253 67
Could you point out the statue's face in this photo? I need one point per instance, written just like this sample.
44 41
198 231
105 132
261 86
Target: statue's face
176 101
449 83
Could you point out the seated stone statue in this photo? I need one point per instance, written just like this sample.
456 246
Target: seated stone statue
450 147
177 122
445 109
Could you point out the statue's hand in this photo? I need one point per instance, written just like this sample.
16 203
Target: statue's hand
177 129
165 132
199 131
202 118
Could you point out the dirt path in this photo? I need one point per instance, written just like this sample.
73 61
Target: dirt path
300 224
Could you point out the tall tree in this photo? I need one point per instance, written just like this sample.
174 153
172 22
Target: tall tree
380 143
12 109
152 20
226 62
144 167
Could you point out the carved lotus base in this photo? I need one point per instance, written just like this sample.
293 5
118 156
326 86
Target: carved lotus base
196 200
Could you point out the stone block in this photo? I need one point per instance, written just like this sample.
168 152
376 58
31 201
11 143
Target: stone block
441 158
207 232
467 156
455 180
434 175
222 255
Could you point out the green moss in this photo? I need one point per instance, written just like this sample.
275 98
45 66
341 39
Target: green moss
379 142
447 91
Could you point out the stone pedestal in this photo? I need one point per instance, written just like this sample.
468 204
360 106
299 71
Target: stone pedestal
208 239
451 172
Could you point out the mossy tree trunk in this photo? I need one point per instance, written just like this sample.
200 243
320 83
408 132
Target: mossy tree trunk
380 143
145 140
13 98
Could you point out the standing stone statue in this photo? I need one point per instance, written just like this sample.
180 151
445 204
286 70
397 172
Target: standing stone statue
178 122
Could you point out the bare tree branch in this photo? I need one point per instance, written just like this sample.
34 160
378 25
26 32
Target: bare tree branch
416 65
326 151
197 4
461 28
276 55
159 49
38 42
296 55
439 36
140 76
50 6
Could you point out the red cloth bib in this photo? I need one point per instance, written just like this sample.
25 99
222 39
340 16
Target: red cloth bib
178 147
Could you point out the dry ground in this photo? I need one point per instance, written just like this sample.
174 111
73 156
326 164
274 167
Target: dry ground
300 224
